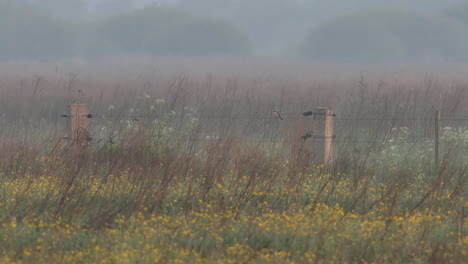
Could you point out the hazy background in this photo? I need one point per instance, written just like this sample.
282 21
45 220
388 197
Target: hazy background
337 31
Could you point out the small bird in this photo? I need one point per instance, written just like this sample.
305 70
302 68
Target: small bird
277 115
306 136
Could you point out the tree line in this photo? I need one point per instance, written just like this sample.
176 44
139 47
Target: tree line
260 27
27 33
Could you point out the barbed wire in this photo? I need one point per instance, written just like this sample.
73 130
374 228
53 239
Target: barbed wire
363 142
307 138
300 141
273 115
254 117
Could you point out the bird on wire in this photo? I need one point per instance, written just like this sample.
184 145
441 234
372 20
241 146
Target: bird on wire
277 115
307 136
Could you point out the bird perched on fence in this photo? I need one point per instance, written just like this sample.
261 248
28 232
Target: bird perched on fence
277 115
306 136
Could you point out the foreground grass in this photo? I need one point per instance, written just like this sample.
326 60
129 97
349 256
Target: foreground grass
319 218
195 170
320 234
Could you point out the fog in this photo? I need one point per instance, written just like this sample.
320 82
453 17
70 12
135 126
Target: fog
336 31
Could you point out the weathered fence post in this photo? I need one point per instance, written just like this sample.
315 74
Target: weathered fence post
78 125
323 135
437 141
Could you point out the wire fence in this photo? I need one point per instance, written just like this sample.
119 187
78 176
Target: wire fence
273 127
261 116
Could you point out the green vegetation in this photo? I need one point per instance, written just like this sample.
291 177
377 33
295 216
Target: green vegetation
30 34
388 36
170 32
459 12
278 26
336 31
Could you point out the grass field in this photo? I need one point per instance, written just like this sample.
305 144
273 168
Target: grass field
188 165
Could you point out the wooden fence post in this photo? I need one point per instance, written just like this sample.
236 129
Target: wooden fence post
437 141
323 135
78 115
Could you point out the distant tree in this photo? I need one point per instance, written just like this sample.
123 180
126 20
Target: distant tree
459 12
168 31
272 25
27 33
30 33
275 26
388 36
113 7
63 8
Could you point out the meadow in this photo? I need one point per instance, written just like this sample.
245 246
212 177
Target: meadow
187 164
